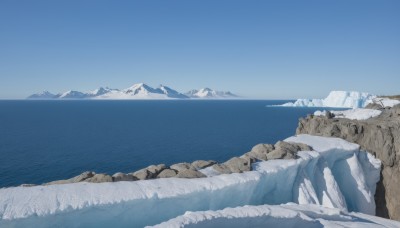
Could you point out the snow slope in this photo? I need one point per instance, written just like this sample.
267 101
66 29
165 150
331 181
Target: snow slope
288 215
386 102
207 93
336 99
335 175
353 114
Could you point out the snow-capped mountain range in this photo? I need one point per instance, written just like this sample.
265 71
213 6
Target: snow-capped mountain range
137 91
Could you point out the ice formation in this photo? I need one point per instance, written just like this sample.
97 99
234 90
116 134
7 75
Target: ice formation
336 174
287 215
336 99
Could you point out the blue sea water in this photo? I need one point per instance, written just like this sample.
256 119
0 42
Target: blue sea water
42 141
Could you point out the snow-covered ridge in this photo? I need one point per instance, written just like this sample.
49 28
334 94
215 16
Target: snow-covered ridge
353 114
336 99
336 174
136 91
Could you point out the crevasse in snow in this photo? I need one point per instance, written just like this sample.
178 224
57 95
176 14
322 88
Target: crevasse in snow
335 175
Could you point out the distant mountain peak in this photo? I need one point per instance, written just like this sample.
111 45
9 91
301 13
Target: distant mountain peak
210 93
136 91
42 95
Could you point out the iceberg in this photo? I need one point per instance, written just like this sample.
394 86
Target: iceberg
336 175
336 99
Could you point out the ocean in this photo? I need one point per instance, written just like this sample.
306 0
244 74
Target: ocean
42 141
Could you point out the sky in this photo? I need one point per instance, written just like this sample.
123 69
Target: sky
276 49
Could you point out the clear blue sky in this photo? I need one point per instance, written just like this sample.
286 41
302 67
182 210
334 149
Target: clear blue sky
256 48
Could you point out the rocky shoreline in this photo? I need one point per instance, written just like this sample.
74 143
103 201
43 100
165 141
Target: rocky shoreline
260 152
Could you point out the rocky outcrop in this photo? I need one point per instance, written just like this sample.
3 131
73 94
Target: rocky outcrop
281 150
379 136
166 173
123 177
201 164
99 178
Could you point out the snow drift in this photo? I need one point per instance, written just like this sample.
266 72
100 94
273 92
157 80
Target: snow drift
336 99
288 215
335 175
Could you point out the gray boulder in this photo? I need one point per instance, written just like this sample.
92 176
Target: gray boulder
222 168
259 152
286 150
149 172
156 169
189 173
182 166
201 164
238 165
142 174
233 165
99 178
166 173
123 177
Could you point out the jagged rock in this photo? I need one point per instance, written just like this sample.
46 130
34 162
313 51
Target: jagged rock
156 169
166 173
379 136
123 177
149 172
222 168
182 166
83 176
233 165
142 174
329 115
285 150
99 178
201 164
189 173
374 106
259 152
238 165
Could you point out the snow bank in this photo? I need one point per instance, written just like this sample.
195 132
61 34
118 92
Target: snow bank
353 114
386 102
289 215
335 175
336 99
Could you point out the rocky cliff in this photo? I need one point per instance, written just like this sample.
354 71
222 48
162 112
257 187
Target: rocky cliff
379 136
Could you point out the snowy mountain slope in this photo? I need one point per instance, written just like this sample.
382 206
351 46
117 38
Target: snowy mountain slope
136 91
336 99
206 93
42 95
335 175
101 91
171 93
71 94
286 215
